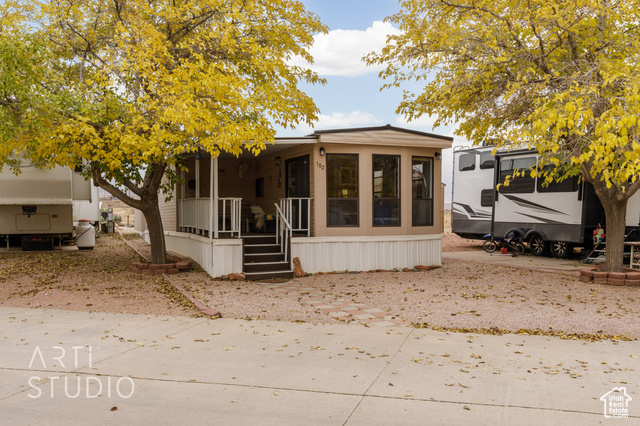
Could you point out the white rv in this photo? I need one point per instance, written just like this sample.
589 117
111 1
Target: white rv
554 218
36 206
473 188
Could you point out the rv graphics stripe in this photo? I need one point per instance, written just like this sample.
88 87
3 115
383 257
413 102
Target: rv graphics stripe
471 212
528 204
543 220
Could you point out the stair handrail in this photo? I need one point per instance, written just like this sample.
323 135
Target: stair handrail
283 233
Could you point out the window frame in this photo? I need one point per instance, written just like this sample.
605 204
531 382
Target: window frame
465 155
357 199
511 189
398 191
430 222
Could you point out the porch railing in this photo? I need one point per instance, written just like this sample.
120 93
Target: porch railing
194 215
283 232
297 210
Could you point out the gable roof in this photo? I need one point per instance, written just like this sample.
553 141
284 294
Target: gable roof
384 135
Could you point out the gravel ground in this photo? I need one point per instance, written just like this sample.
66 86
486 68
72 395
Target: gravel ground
458 295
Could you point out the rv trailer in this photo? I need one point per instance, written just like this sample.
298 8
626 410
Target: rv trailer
552 218
473 188
36 205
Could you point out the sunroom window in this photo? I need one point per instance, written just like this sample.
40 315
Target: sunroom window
386 190
342 190
422 191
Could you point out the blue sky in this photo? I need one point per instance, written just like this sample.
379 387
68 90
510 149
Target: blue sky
352 96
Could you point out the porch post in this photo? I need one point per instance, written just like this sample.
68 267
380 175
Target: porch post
214 194
181 201
198 176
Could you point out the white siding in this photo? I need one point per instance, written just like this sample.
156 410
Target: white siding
328 254
222 258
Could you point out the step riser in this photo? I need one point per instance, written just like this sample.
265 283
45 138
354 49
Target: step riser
261 249
259 240
275 257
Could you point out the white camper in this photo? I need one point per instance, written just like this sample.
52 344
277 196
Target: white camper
472 201
552 218
36 206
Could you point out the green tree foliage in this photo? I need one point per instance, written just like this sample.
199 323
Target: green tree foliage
130 86
561 76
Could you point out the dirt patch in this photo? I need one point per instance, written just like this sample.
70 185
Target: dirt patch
452 242
95 280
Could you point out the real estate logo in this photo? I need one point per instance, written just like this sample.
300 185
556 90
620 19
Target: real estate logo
616 403
93 386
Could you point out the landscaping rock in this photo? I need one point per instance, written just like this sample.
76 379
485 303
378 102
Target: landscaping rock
237 277
183 266
406 270
425 268
298 272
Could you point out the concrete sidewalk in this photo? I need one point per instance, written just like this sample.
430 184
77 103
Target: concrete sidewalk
172 370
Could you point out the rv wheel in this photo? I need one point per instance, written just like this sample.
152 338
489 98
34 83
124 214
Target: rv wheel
538 246
560 249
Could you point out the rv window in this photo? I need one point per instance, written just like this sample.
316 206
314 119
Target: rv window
467 162
486 160
568 185
486 198
519 185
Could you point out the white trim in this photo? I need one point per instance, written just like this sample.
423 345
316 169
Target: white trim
226 253
354 239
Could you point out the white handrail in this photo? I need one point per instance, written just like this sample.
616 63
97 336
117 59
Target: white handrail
283 232
287 206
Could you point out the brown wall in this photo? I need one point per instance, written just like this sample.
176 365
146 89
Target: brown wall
275 175
365 153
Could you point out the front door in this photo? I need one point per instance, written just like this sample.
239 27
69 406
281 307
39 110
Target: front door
297 186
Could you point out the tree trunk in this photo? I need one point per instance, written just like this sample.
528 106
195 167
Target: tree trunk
615 217
151 212
145 199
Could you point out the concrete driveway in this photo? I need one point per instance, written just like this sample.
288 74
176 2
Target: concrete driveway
63 367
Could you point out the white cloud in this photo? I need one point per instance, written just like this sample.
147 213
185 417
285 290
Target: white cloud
343 119
424 121
340 52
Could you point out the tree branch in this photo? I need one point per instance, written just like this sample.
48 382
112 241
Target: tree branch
103 183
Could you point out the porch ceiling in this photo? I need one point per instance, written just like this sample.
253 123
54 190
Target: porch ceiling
279 145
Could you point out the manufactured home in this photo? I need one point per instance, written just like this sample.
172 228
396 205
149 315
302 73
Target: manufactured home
350 199
37 206
552 218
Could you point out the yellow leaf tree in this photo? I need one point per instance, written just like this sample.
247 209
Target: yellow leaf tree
147 81
560 76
